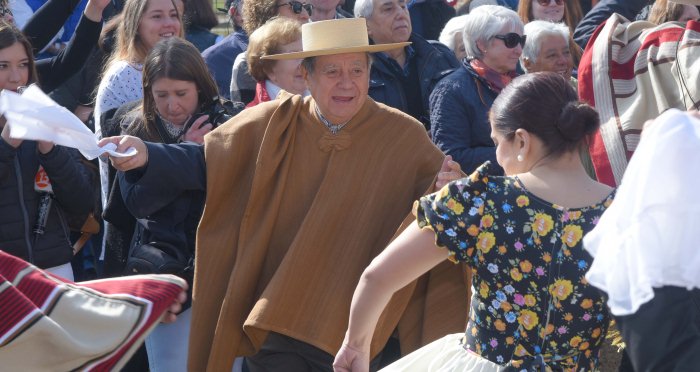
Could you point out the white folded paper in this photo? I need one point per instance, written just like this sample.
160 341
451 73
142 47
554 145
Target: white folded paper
34 116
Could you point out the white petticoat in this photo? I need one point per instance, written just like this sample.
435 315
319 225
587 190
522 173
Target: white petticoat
648 238
444 355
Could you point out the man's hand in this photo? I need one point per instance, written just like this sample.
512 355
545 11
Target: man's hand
449 172
124 143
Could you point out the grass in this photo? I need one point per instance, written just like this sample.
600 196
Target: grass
224 28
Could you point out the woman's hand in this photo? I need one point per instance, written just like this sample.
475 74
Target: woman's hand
198 130
9 140
44 146
124 143
170 315
449 172
350 359
94 8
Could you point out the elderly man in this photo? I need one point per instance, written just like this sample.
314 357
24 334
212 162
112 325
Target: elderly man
404 77
302 193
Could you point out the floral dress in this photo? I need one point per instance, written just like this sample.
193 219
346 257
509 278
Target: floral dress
531 305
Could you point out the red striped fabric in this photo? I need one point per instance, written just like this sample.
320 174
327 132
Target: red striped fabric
29 297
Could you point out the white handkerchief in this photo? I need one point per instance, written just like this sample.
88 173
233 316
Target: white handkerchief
34 116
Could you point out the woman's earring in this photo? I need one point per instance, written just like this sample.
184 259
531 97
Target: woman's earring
519 157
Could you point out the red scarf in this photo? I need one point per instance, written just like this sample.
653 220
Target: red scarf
496 80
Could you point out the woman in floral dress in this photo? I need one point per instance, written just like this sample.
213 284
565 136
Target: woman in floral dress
532 308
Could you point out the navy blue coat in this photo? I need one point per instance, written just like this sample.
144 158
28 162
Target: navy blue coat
167 214
459 107
434 62
219 58
71 181
601 12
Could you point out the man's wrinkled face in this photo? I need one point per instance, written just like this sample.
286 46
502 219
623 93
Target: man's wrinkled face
390 22
339 85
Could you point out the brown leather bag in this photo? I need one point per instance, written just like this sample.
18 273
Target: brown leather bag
90 227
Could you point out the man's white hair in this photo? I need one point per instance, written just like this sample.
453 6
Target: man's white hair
363 8
536 31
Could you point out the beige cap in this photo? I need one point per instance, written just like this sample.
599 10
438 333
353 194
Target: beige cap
336 36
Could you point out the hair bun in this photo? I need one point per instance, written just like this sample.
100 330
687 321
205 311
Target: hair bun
577 120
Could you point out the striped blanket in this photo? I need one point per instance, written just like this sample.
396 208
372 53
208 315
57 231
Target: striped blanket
50 324
632 72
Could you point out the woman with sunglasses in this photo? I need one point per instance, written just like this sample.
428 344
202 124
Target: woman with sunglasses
459 104
256 14
564 11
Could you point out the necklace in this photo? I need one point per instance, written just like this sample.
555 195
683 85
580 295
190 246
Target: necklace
333 128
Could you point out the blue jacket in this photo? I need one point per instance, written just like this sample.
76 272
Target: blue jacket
219 58
200 37
601 12
73 193
459 107
434 61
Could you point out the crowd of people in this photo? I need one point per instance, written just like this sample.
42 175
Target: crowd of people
423 185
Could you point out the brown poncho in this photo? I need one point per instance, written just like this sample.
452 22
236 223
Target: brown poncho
293 216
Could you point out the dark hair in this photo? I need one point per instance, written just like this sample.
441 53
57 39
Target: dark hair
9 35
546 105
176 59
200 13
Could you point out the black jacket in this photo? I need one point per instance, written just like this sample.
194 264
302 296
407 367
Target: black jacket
167 198
601 12
41 28
73 193
434 61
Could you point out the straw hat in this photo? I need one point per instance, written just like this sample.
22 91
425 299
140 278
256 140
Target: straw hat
336 36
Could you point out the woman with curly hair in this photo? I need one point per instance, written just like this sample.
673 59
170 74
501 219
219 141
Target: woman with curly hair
256 14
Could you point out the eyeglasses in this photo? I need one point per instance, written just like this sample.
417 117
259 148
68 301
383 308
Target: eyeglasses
511 40
547 2
298 6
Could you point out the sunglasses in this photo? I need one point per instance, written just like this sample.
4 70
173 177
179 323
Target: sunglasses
511 40
298 6
547 2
